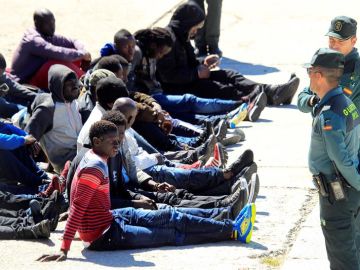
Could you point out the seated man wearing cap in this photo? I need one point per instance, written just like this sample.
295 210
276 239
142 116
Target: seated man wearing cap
342 38
333 158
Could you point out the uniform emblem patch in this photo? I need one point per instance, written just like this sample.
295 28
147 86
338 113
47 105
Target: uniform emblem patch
347 91
338 26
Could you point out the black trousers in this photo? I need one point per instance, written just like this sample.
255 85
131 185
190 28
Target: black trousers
16 224
162 142
183 198
224 84
156 137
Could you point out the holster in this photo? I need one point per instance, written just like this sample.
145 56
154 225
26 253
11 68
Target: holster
320 183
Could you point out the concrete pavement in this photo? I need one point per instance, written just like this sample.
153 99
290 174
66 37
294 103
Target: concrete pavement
266 41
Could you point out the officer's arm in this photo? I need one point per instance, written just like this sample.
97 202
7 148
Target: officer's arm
334 129
305 99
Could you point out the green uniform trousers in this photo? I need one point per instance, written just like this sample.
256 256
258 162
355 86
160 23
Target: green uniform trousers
339 222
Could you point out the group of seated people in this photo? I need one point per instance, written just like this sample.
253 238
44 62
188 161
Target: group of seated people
129 147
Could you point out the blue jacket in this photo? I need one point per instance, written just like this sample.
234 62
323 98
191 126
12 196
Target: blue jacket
335 138
11 137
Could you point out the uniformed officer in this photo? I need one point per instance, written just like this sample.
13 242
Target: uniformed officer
342 38
333 158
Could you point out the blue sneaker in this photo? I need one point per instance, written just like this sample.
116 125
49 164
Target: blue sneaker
244 223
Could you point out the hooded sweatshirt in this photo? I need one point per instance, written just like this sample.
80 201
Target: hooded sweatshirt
54 122
180 65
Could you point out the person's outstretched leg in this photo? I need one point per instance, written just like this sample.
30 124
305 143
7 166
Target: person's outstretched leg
19 168
192 180
159 228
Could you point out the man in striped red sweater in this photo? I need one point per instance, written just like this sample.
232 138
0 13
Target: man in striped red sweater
103 229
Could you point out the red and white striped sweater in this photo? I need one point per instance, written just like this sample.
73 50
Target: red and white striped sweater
89 212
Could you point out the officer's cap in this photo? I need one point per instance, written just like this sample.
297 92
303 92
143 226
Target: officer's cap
342 27
326 58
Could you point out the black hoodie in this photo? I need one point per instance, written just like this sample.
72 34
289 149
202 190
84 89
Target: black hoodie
180 65
55 122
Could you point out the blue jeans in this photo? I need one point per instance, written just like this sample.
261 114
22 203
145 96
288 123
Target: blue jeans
18 166
134 228
199 212
193 109
189 103
196 180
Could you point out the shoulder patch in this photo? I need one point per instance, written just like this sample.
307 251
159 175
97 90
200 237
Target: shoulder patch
327 125
347 91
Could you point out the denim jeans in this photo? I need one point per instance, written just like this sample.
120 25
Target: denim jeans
196 180
134 228
18 166
199 212
189 103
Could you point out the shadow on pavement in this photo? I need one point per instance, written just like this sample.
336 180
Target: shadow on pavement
246 68
122 258
125 258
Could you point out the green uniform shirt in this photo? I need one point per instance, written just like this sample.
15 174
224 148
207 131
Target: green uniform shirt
335 138
350 82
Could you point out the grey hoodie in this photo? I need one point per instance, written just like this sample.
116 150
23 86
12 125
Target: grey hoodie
54 122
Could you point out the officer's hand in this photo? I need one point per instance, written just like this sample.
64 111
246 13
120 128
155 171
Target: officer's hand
203 72
165 187
313 100
57 257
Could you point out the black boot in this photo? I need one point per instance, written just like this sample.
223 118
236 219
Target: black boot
248 171
243 161
282 93
42 229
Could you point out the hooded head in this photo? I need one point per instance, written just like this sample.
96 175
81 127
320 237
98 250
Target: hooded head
185 17
63 84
